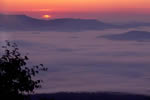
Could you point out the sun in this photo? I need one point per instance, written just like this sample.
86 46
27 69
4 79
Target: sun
46 16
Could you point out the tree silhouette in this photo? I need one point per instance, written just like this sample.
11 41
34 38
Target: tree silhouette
16 78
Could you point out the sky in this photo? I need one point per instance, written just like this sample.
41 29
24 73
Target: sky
78 8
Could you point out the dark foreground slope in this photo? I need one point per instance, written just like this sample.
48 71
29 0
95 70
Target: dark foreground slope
89 96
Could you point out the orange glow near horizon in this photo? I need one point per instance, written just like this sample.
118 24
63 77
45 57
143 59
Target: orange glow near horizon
46 16
63 6
73 5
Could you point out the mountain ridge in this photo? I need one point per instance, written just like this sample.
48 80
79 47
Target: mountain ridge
26 23
23 22
130 35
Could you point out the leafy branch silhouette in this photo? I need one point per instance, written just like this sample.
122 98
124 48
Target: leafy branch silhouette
16 77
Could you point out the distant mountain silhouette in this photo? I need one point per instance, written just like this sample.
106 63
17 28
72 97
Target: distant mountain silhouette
131 35
90 96
26 23
23 22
